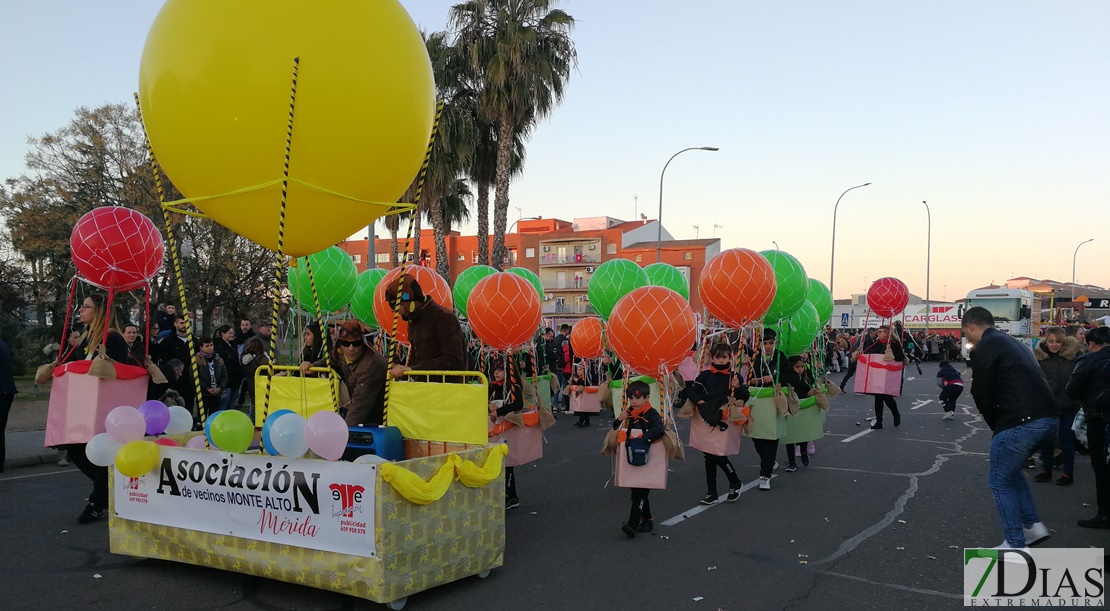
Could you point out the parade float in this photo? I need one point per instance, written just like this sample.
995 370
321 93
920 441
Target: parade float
292 125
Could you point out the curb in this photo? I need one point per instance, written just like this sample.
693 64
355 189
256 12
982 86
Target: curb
19 462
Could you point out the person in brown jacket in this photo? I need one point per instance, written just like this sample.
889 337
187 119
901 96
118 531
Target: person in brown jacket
436 339
362 369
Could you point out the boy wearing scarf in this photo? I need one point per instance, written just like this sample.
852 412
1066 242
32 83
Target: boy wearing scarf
638 419
710 392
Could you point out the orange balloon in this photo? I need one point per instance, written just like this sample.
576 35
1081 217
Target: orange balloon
737 286
586 338
504 310
430 282
652 328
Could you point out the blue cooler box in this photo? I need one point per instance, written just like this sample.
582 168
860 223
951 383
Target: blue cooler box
383 441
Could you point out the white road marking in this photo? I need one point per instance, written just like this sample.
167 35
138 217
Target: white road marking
5 479
689 513
918 404
856 436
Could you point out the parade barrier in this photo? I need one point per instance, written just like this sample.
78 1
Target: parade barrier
376 531
875 376
299 394
767 421
807 425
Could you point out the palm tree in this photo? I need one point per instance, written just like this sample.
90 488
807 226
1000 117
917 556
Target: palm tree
393 224
521 53
451 211
483 172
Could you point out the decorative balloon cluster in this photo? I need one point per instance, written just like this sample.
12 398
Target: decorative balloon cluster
129 442
290 434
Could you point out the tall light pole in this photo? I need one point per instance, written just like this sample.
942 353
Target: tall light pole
928 264
697 231
716 227
1073 271
659 229
776 244
832 259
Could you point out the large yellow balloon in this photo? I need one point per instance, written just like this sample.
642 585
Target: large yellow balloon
214 85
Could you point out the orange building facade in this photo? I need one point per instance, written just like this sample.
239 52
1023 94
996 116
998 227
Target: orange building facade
564 254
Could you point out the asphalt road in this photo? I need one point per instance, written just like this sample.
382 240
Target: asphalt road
877 521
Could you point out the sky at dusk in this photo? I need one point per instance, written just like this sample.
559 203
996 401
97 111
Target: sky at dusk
994 112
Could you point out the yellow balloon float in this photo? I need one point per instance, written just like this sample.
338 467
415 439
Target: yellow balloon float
215 82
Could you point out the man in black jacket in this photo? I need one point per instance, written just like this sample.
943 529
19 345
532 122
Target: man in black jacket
1088 384
1016 402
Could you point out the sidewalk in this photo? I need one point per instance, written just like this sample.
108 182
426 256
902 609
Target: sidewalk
24 449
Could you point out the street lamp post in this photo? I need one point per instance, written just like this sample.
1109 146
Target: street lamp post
659 229
832 258
1073 272
928 264
716 227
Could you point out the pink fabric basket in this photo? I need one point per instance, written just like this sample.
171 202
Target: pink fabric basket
712 440
874 376
652 476
688 369
79 402
525 444
585 403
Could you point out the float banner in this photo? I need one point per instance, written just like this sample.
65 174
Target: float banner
314 504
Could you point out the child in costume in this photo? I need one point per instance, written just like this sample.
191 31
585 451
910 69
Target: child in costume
505 397
710 392
802 382
768 368
639 419
577 384
951 387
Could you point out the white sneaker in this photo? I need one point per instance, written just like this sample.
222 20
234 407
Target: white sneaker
764 483
949 415
1013 558
1036 533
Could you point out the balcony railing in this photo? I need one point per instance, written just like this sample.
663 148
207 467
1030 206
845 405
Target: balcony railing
568 308
569 285
582 259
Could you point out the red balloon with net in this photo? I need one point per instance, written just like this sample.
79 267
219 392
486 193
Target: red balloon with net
888 297
117 249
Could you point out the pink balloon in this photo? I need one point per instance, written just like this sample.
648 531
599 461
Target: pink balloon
326 434
166 441
197 443
125 424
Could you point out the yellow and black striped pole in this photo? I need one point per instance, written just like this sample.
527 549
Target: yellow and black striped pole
176 261
405 260
279 259
323 332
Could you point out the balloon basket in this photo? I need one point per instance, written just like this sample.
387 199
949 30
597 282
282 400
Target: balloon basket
767 422
337 526
808 425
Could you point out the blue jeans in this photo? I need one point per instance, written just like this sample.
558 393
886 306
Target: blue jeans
1067 446
228 397
559 399
1010 450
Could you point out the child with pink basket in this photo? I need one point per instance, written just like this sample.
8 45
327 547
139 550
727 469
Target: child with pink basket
638 420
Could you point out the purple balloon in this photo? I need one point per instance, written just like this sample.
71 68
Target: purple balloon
156 415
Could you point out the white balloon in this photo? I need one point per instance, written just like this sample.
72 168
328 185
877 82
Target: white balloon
287 435
370 459
101 450
181 421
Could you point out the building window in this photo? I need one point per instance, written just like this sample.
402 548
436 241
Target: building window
687 255
474 256
610 249
462 257
411 257
529 253
639 258
356 258
384 257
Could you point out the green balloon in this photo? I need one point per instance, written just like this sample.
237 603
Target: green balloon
466 282
335 275
796 334
792 283
232 431
821 299
669 276
531 277
362 300
614 279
